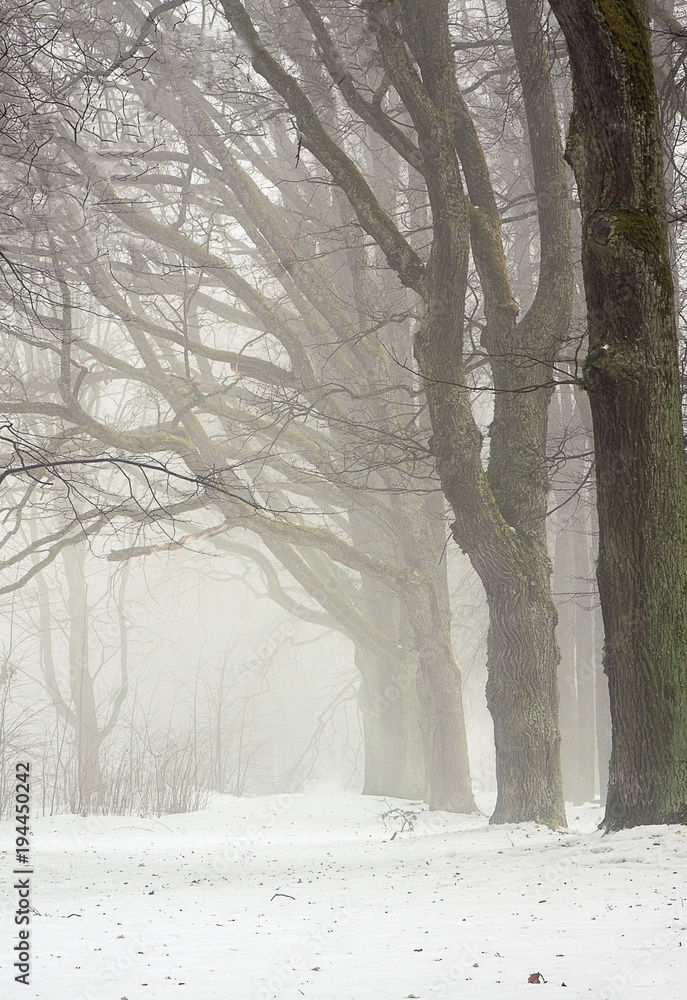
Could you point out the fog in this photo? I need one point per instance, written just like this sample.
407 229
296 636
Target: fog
199 677
300 507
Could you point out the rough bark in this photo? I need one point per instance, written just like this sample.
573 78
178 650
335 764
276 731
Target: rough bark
631 375
499 519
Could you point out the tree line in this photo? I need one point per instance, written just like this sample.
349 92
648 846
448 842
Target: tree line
300 279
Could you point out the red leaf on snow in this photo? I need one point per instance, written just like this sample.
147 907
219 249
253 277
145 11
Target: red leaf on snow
536 977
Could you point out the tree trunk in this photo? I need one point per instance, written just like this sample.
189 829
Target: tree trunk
566 601
508 554
448 783
392 727
585 672
522 694
86 732
632 377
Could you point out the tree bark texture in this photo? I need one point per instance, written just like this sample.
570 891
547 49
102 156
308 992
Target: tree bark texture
499 518
631 375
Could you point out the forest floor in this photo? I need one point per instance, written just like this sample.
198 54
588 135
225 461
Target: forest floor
326 897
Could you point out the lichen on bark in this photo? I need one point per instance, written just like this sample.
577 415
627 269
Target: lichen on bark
625 23
642 230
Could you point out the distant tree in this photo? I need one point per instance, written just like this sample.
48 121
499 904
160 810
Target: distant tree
579 627
153 346
76 702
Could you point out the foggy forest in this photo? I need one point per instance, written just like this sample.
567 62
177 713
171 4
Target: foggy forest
343 499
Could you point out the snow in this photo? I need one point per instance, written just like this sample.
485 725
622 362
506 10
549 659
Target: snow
314 896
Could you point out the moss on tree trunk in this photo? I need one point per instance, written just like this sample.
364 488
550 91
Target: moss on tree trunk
631 375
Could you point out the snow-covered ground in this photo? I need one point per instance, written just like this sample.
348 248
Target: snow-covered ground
314 896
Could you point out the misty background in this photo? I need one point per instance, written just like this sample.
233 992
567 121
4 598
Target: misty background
193 305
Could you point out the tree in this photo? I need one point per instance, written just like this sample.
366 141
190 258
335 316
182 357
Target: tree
316 418
79 707
631 374
499 515
576 598
210 184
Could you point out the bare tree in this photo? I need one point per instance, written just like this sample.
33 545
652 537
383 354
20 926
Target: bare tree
299 452
78 706
499 515
264 202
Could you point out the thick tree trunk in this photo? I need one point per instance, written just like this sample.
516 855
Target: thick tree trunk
522 694
631 375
